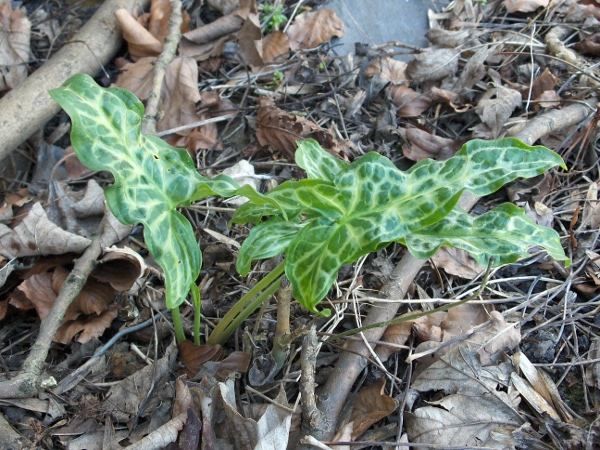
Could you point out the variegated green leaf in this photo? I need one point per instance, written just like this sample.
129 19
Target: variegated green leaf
316 162
152 178
371 203
266 240
505 232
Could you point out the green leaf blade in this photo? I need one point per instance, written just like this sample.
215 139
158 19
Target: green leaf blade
152 178
317 163
505 232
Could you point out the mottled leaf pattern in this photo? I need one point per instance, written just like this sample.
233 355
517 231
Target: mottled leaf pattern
266 240
371 203
152 178
317 163
505 232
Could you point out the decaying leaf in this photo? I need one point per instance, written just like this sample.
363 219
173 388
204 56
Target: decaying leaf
90 326
457 262
433 65
315 27
120 267
275 47
280 130
426 145
370 405
224 6
15 32
124 399
545 82
194 356
37 235
140 41
474 409
220 416
496 106
92 203
525 6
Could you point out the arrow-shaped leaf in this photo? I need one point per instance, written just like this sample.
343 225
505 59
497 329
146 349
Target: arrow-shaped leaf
152 178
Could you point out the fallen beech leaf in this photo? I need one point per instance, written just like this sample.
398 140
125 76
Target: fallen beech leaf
140 41
388 69
589 46
234 362
313 28
37 235
433 65
457 262
208 41
447 38
279 130
525 5
496 106
14 199
409 102
37 293
425 145
94 298
160 13
91 326
15 32
194 356
275 47
449 98
371 405
549 99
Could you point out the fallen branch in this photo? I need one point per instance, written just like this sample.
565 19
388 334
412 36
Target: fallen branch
27 108
333 395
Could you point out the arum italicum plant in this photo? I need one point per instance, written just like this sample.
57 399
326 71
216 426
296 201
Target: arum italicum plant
339 213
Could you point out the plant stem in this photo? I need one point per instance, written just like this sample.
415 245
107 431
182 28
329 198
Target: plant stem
176 317
239 319
197 315
216 336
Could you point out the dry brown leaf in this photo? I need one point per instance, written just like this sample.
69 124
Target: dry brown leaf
370 405
160 13
15 32
409 102
275 47
94 298
3 308
140 41
37 235
90 327
208 41
224 6
525 5
234 362
92 203
249 40
447 38
125 398
36 292
433 65
388 69
279 130
120 267
315 27
589 46
426 145
549 99
449 98
457 262
194 356
496 106
14 199
545 82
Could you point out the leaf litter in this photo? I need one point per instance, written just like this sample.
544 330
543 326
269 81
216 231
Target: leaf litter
516 367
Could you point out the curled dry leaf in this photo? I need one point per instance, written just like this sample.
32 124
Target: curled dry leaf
545 82
120 267
279 130
426 145
140 41
589 46
208 41
92 203
370 405
15 33
224 6
194 356
315 27
525 6
409 102
433 65
37 235
447 38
